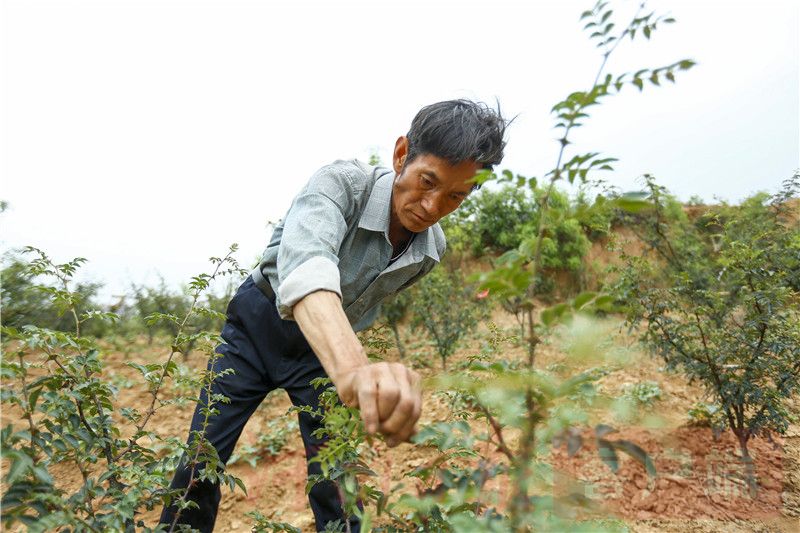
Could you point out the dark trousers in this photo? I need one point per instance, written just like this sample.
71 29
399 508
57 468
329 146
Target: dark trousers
265 353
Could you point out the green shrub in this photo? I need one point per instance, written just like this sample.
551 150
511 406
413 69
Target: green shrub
393 310
25 301
444 305
644 394
724 311
706 414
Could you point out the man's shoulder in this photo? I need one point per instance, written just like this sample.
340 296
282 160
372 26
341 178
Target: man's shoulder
355 174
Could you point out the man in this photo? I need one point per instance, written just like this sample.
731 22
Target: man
354 235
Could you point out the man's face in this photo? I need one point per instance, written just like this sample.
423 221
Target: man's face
428 188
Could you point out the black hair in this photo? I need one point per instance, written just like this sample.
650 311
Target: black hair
457 131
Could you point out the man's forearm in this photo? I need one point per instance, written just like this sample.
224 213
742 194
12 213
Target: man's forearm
388 395
326 328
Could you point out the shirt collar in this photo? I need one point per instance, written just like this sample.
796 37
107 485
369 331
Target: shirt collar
375 217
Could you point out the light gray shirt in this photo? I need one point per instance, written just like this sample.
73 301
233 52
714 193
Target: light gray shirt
335 237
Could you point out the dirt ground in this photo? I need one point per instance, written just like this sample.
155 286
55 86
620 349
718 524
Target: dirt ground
697 488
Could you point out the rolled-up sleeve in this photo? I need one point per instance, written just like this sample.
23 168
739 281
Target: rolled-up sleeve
313 232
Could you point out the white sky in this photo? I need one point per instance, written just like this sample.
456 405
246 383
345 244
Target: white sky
149 135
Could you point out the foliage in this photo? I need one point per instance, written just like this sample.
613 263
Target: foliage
724 310
595 216
341 458
54 380
147 300
517 277
543 408
645 393
57 377
270 442
393 311
265 525
707 415
494 219
26 302
445 306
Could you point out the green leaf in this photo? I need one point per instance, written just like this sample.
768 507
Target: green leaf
608 455
632 202
582 299
637 453
552 314
42 475
20 465
601 430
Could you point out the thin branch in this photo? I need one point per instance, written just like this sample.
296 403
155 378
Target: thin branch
498 430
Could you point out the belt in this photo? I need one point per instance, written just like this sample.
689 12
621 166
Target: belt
262 283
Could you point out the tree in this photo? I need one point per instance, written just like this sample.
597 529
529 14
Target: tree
722 306
445 306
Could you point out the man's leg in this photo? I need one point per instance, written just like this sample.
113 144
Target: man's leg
324 497
245 388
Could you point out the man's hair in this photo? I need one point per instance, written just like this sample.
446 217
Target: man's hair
457 131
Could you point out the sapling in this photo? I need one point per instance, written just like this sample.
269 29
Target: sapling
445 306
394 310
56 382
519 271
724 310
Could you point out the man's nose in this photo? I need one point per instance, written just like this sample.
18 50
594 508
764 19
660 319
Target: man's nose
431 204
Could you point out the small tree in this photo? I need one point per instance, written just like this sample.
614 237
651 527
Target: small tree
722 307
70 415
394 310
24 301
445 306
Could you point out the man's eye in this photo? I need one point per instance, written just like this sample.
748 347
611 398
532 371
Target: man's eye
426 182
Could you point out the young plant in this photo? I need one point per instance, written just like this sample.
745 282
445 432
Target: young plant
526 412
341 458
724 309
394 310
54 383
446 307
518 272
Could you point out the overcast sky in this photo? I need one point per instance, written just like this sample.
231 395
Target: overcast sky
149 135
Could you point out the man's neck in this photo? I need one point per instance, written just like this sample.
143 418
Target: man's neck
398 235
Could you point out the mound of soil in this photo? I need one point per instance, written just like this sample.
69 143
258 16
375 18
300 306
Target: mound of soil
698 476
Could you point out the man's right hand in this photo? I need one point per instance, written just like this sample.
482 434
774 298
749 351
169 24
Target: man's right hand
388 395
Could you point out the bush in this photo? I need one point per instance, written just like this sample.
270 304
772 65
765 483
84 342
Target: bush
444 305
724 310
644 394
27 302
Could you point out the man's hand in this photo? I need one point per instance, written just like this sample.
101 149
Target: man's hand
387 394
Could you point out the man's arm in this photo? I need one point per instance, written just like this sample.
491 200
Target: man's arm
387 394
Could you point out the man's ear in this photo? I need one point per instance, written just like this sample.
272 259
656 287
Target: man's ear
400 153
